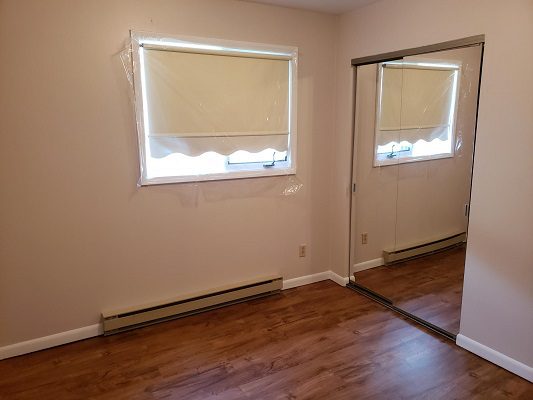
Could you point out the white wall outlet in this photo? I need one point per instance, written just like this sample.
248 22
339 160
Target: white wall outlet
302 250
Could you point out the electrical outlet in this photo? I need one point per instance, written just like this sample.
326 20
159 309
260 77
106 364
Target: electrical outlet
302 250
364 238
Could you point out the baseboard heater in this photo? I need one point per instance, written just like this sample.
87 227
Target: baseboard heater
124 319
407 252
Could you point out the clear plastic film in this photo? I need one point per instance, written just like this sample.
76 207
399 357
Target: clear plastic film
418 99
209 111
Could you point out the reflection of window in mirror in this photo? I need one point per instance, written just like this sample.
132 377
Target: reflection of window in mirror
416 110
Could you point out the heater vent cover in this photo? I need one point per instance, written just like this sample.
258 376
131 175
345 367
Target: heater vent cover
120 320
401 254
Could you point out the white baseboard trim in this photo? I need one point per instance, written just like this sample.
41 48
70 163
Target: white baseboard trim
339 280
321 276
510 364
86 332
305 280
376 262
46 342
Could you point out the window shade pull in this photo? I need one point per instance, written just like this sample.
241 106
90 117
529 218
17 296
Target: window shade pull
392 154
270 165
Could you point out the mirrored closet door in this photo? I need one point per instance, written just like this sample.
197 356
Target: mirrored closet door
414 135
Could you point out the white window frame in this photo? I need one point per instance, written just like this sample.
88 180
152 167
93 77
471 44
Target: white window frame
213 46
429 64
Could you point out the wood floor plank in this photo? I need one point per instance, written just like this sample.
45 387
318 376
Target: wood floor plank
319 341
429 287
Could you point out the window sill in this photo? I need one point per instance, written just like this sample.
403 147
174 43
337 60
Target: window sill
411 159
232 172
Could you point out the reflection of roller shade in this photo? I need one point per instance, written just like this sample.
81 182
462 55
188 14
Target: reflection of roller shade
411 135
415 104
211 102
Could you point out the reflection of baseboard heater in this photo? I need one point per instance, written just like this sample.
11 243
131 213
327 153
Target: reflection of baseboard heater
421 249
134 317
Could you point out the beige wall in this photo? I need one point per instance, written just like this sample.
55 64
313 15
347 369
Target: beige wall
77 236
406 204
498 290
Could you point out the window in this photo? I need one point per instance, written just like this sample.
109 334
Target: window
209 109
416 111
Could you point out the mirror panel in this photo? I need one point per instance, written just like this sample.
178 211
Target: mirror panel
412 199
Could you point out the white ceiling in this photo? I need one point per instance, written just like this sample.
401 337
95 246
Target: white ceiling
327 6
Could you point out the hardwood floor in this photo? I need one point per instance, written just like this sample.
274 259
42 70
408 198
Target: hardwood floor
430 287
318 341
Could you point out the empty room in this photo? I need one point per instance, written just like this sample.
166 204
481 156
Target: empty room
266 199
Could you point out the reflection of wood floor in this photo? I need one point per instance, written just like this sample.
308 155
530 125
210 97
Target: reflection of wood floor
316 342
430 287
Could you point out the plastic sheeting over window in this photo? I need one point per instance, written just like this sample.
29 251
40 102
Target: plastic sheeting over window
417 102
200 101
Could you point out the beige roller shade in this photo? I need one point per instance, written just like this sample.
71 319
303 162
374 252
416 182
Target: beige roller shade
415 104
213 102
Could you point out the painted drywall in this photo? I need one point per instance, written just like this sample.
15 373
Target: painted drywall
408 204
329 6
77 235
498 288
